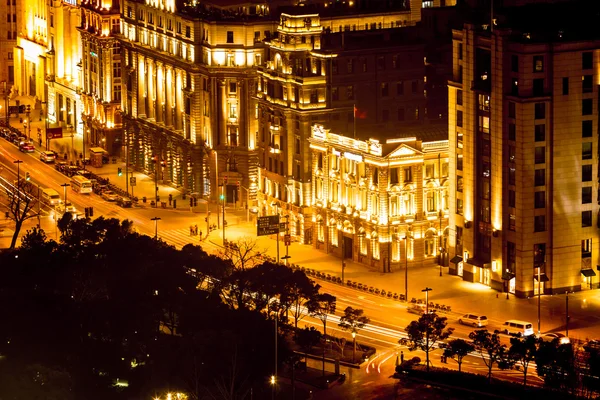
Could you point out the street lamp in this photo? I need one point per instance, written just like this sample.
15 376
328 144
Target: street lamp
567 314
405 238
64 186
427 290
539 300
276 205
18 162
354 346
155 219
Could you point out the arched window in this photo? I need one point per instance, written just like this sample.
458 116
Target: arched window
430 200
394 205
320 229
333 232
396 248
408 201
334 187
375 204
375 245
429 243
362 242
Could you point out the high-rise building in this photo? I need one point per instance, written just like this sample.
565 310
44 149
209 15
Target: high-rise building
523 132
9 26
100 67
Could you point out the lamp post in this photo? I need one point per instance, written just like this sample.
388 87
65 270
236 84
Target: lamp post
427 290
405 238
287 243
65 186
223 201
18 162
155 219
276 205
567 314
539 300
353 346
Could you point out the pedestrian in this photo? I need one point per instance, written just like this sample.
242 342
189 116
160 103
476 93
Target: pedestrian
191 230
196 229
401 357
200 236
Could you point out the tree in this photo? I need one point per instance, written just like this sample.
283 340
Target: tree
243 253
555 363
22 196
458 349
299 292
307 338
524 351
353 320
489 348
426 331
320 307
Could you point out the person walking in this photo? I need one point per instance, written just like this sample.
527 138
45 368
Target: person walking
401 357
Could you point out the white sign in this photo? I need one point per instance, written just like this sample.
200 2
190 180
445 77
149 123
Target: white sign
353 157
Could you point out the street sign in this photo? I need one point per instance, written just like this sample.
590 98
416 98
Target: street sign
54 133
287 239
282 226
132 181
268 225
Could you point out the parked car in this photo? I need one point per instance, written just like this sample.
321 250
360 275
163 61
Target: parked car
418 309
47 156
109 195
68 207
124 202
475 320
26 147
549 337
60 166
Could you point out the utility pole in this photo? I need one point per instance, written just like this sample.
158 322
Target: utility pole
18 162
567 314
406 267
65 186
539 300
287 239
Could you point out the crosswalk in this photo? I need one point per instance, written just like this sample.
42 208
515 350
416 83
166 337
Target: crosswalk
181 237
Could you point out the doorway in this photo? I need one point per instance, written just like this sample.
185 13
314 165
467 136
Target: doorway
347 241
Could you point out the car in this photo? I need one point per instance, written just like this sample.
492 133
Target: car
549 337
68 207
84 173
124 202
26 147
109 195
477 321
418 309
47 156
17 139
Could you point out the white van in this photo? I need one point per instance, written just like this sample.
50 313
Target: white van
518 328
50 196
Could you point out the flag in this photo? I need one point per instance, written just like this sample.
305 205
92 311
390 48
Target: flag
359 114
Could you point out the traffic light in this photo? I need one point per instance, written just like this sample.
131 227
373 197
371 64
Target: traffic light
238 185
119 171
224 180
21 108
27 176
222 197
195 201
191 202
27 108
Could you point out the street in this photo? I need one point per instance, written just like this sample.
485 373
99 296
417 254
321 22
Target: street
388 317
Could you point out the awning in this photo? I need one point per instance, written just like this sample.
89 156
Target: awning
588 272
543 277
478 262
456 259
508 276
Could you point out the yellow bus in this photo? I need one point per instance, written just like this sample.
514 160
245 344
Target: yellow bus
81 184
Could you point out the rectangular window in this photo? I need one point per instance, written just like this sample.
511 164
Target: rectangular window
512 222
565 86
587 106
586 173
515 87
512 110
587 60
335 95
538 63
538 87
512 152
459 162
511 198
459 97
401 114
540 155
540 110
539 223
385 90
587 82
586 195
514 63
188 32
586 219
350 92
334 67
511 175
540 177
381 63
459 118
459 206
229 36
586 151
460 51
408 174
512 131
350 66
400 88
540 199
540 133
587 128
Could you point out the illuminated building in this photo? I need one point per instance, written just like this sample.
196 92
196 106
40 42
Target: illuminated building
312 75
100 67
368 196
9 26
46 59
523 131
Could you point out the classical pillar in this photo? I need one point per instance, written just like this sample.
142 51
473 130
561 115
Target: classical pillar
222 109
169 104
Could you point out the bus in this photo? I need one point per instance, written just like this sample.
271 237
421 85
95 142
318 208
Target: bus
81 184
50 197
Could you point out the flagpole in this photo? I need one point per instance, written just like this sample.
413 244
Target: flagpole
354 122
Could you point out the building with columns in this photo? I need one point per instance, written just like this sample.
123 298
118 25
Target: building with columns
100 68
384 204
523 131
9 26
